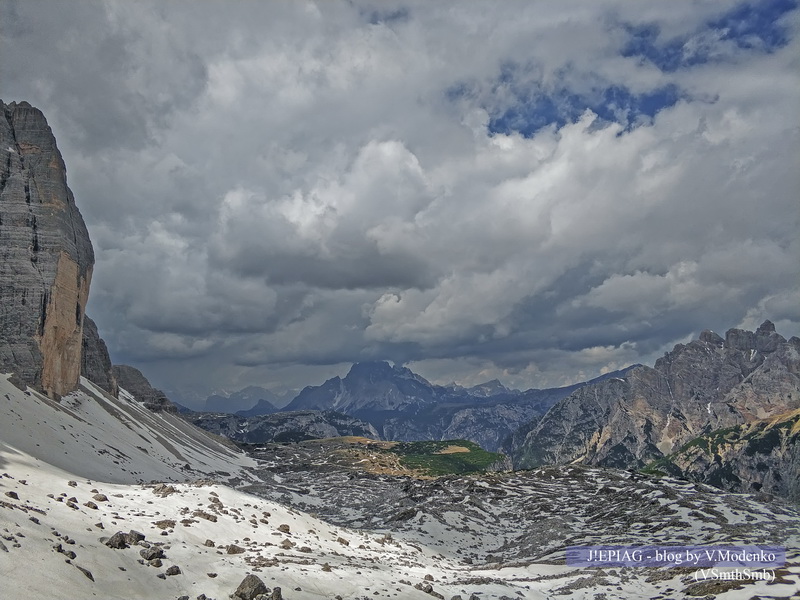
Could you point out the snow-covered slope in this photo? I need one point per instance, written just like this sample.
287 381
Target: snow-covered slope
55 526
92 434
286 548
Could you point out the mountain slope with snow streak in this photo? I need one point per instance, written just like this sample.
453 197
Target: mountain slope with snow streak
90 433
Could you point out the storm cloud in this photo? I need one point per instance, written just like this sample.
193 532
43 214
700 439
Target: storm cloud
539 192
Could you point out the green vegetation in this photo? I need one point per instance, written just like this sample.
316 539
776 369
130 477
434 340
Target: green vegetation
760 438
710 443
655 468
449 457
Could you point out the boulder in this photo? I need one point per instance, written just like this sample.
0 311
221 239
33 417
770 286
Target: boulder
118 541
250 587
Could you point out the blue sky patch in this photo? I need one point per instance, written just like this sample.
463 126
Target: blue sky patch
757 25
518 103
749 26
613 104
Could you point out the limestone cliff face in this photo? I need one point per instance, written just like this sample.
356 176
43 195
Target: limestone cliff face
46 256
708 384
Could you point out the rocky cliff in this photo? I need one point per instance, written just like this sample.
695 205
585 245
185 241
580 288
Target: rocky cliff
762 456
46 257
708 384
95 361
136 384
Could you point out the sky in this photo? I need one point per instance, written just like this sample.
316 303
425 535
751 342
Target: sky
538 192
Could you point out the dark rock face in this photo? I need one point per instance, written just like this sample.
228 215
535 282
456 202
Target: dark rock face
134 382
369 386
697 388
283 427
95 361
46 256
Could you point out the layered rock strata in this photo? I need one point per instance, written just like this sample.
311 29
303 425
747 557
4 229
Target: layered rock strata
46 256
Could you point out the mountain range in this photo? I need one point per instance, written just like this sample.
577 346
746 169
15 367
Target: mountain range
702 388
404 406
742 390
669 418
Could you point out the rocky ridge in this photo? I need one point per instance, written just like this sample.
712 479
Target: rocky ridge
137 385
282 426
95 361
761 456
707 384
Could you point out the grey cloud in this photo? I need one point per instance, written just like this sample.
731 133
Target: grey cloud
277 189
101 54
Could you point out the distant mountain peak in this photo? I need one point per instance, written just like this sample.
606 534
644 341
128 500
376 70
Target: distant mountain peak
377 370
490 388
370 367
245 400
262 407
766 327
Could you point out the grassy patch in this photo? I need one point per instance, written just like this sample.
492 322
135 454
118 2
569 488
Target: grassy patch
438 458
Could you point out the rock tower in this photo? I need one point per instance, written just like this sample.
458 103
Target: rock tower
46 256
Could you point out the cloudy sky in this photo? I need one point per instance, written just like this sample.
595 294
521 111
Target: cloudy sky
534 191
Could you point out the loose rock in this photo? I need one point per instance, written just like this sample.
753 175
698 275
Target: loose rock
151 553
118 541
86 572
234 549
134 537
250 587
